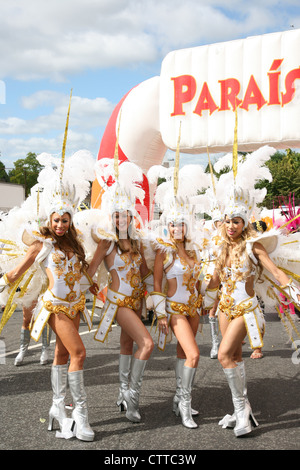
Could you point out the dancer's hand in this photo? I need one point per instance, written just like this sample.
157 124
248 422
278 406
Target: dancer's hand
94 289
163 325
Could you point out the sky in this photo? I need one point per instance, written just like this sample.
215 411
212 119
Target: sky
101 49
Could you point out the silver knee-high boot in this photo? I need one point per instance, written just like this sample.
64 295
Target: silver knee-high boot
214 329
178 374
59 377
229 420
24 343
82 429
124 372
184 406
46 336
242 409
132 395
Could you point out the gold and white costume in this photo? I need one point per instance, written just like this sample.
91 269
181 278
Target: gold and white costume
187 299
67 295
130 293
235 302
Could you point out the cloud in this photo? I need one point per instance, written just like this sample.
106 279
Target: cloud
86 114
18 147
45 132
60 41
55 39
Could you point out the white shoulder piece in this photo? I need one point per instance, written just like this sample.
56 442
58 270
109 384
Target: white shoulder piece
269 240
110 249
162 244
29 237
99 233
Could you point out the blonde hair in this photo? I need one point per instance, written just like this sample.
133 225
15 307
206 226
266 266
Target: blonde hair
238 250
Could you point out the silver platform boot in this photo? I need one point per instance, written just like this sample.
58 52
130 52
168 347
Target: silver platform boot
229 420
214 329
242 409
81 428
46 336
24 343
59 377
178 373
132 395
184 406
124 372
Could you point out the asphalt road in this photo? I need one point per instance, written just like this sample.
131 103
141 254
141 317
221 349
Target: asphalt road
273 390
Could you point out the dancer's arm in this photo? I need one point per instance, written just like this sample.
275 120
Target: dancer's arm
25 264
284 281
98 257
159 299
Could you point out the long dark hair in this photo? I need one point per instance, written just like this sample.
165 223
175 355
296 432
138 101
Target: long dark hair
70 238
134 243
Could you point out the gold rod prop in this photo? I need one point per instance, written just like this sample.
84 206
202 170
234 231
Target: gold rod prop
176 167
63 154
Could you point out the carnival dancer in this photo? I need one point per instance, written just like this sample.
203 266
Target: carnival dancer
55 252
177 271
212 205
119 248
25 338
10 227
212 315
243 258
287 312
259 226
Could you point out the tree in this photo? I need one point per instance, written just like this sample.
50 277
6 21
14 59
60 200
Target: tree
26 172
3 175
285 170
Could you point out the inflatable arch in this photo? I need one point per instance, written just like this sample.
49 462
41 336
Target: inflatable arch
202 88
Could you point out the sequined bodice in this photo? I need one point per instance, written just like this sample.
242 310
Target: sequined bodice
65 273
234 285
186 277
127 266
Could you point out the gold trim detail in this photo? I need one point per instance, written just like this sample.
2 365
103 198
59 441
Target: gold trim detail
71 312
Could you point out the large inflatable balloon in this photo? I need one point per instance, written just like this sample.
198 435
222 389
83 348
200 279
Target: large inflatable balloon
202 91
139 136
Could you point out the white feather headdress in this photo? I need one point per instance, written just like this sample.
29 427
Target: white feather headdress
65 183
175 196
122 193
242 197
121 182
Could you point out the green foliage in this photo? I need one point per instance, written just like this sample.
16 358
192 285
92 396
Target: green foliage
3 175
284 167
285 170
26 172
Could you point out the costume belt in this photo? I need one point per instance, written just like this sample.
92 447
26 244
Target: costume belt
68 308
113 301
253 317
45 308
177 308
233 311
190 309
